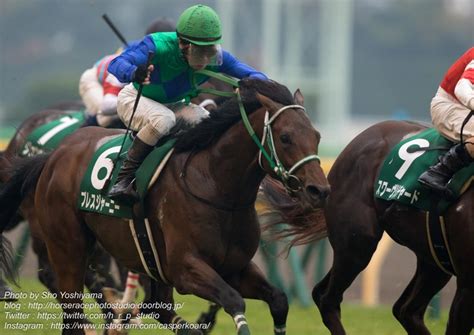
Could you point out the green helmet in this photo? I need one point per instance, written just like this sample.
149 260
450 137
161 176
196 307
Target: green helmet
200 25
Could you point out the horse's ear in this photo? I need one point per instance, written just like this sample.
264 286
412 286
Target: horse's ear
298 97
266 102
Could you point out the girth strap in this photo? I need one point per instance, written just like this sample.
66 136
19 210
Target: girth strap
146 247
438 240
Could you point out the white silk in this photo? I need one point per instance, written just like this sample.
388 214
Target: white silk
464 92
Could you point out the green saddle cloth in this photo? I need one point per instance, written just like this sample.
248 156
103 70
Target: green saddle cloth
398 178
48 136
93 198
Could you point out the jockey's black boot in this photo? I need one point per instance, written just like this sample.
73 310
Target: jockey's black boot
124 189
438 175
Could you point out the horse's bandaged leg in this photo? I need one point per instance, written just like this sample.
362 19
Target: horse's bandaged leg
241 324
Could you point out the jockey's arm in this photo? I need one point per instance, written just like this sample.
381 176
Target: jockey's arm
464 89
235 68
123 67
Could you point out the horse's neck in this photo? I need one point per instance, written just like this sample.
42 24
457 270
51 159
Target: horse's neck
234 160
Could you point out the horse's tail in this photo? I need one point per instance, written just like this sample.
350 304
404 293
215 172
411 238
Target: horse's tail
302 227
23 178
23 175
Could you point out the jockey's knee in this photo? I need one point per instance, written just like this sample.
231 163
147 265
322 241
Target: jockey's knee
156 128
163 123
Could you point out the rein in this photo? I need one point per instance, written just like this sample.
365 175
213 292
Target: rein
290 181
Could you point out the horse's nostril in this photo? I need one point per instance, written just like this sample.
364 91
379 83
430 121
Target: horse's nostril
317 192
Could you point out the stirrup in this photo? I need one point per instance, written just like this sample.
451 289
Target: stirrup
126 195
440 190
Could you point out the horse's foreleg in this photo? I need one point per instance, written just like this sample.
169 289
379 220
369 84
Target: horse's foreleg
411 306
196 277
252 284
342 274
161 297
320 288
460 320
353 247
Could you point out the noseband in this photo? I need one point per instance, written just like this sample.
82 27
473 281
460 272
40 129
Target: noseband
291 182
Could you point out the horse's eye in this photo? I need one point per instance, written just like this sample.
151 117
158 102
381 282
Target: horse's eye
285 139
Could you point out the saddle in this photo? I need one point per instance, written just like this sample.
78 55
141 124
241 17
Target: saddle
93 197
48 136
398 177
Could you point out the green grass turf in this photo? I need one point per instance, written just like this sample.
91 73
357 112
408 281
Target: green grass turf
301 321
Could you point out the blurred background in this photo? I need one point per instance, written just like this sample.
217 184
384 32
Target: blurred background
356 61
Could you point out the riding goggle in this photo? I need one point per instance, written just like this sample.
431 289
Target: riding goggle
205 54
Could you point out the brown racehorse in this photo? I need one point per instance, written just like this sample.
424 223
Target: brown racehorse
13 151
205 218
98 274
356 221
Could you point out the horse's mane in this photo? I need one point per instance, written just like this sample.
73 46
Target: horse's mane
221 119
301 226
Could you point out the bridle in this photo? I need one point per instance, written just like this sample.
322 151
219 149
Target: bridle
291 182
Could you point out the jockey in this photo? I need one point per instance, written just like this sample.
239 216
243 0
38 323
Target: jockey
453 101
167 84
99 89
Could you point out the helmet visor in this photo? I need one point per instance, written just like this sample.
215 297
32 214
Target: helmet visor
200 56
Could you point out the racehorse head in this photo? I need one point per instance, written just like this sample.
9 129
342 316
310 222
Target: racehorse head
292 144
265 120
